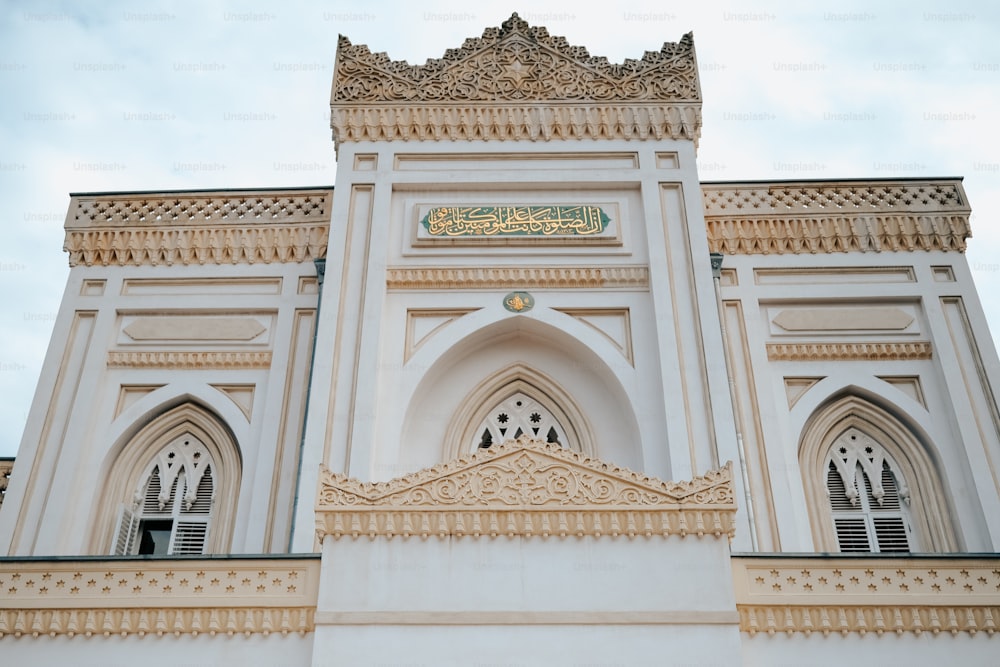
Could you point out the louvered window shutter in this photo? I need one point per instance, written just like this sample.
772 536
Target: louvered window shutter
867 524
190 534
128 530
848 518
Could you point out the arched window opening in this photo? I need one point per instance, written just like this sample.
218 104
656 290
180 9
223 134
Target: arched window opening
171 510
868 497
871 483
518 415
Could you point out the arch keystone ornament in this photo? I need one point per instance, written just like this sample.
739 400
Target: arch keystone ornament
525 488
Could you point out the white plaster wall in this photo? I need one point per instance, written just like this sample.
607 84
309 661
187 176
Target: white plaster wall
153 651
669 415
72 436
835 650
526 601
960 419
527 646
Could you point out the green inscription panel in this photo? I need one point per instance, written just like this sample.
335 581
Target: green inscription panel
515 221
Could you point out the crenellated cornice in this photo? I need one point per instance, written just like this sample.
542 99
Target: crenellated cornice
224 227
836 216
516 82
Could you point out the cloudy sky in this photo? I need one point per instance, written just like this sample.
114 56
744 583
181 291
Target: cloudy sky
104 96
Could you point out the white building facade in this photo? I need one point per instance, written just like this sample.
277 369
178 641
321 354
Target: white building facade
436 403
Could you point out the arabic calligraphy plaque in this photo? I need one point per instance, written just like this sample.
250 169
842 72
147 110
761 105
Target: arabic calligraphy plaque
515 221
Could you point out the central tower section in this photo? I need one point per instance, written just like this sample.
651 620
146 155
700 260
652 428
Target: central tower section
517 248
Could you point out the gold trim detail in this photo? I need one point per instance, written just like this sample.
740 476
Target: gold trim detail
525 488
155 229
829 216
491 87
181 359
872 351
514 277
862 620
157 621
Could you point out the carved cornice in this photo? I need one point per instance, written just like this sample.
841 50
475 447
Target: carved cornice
525 488
862 620
874 351
156 621
517 277
198 228
516 82
190 360
829 216
156 597
861 595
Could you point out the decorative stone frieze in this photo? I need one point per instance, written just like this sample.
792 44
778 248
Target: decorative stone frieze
156 597
875 351
525 488
493 86
862 595
190 360
517 277
832 216
259 226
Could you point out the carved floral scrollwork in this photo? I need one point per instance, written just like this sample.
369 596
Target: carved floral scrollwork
491 87
525 487
516 62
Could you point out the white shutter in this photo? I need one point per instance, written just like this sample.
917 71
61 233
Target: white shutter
189 537
128 530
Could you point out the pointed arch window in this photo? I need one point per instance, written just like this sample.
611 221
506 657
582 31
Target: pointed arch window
171 510
868 497
517 415
871 482
172 488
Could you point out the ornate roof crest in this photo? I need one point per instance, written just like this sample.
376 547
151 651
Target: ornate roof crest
525 488
487 82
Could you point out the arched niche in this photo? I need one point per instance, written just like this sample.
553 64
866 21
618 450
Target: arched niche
131 458
909 449
557 368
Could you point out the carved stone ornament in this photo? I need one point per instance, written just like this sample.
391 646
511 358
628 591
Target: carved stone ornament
225 227
525 488
491 87
830 216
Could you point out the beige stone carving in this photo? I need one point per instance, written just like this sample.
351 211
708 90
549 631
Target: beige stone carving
848 351
491 87
864 619
795 387
514 277
240 394
104 597
182 359
614 324
525 488
851 595
843 319
156 621
194 328
198 228
811 217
